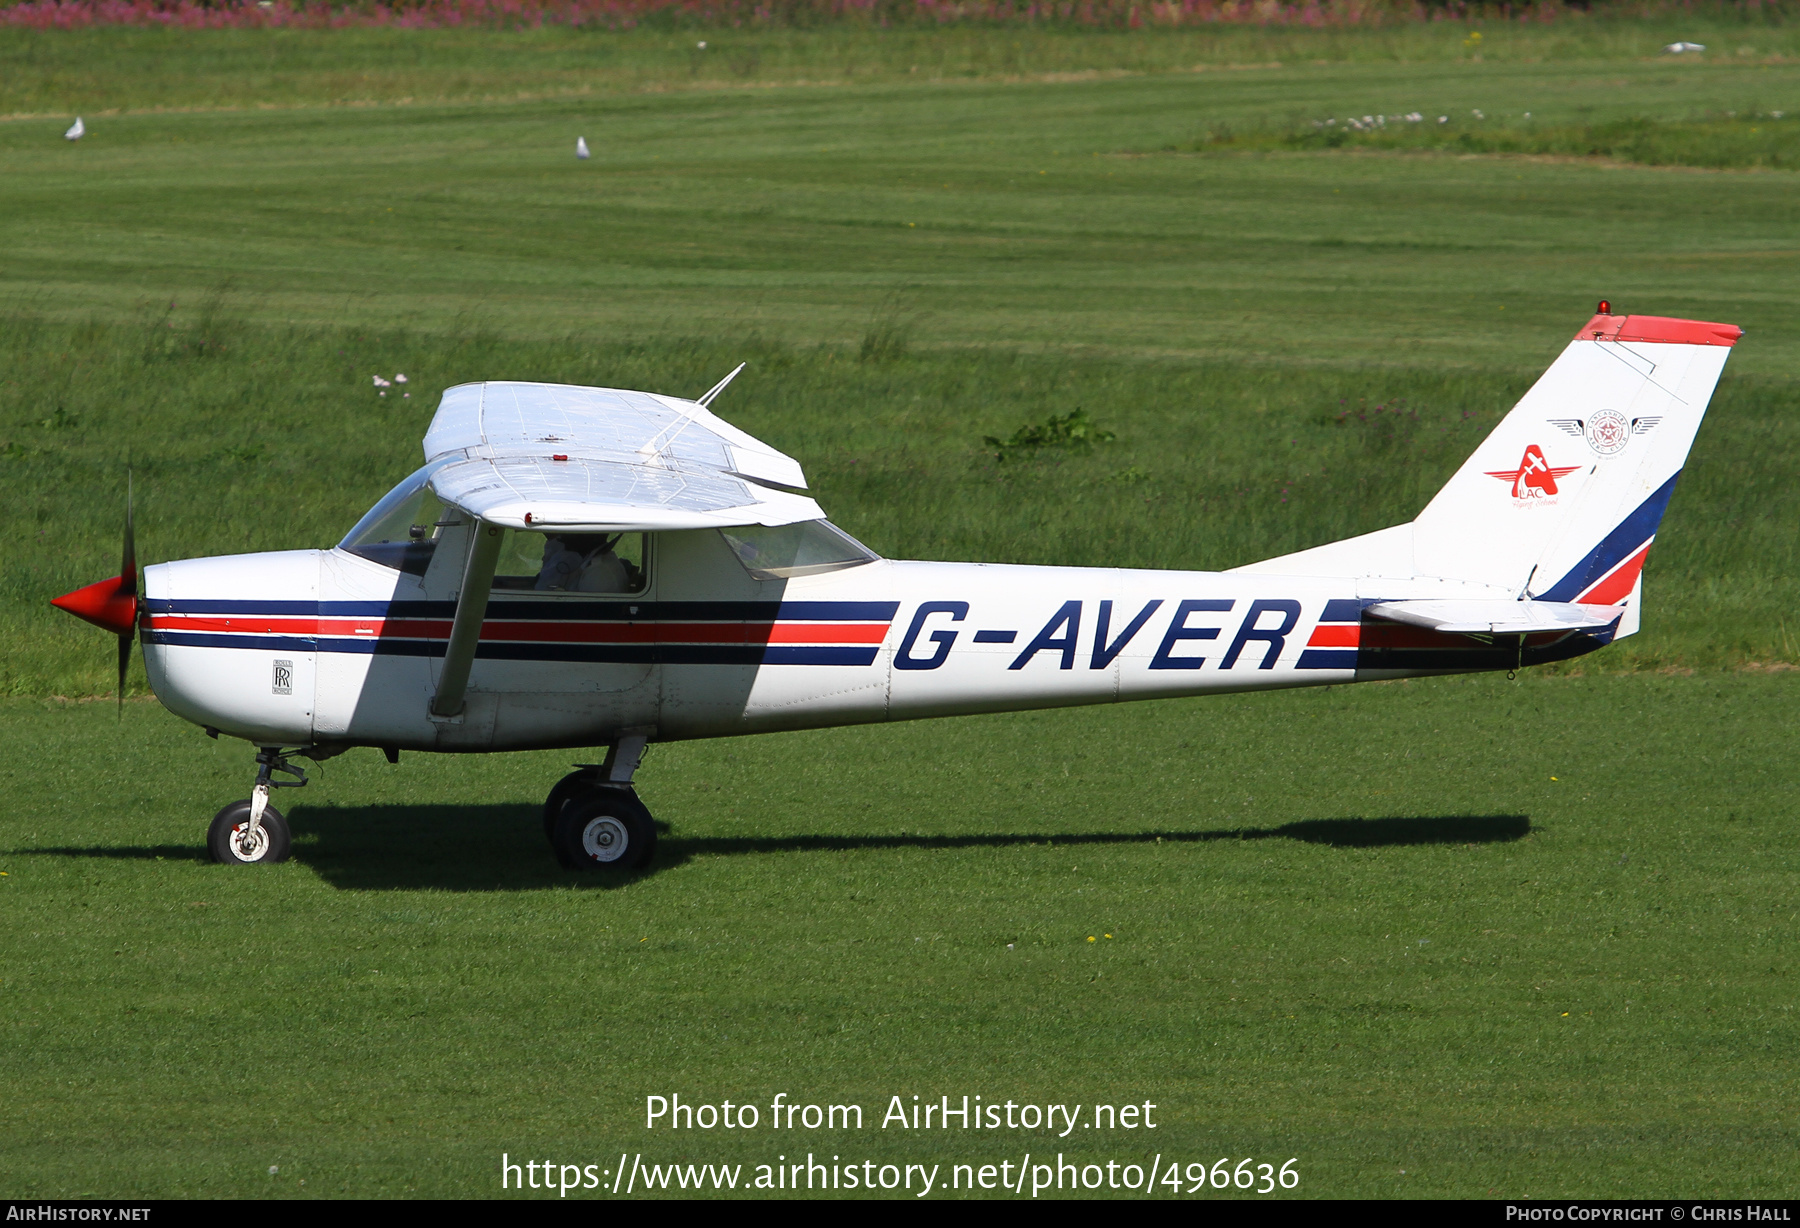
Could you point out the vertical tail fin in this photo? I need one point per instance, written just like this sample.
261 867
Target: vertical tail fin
1563 498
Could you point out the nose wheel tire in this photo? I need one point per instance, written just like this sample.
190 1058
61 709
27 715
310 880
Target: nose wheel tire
605 829
231 842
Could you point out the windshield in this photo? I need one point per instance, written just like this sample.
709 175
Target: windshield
809 548
402 530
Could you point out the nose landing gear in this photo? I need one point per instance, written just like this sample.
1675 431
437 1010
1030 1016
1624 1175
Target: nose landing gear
252 831
593 818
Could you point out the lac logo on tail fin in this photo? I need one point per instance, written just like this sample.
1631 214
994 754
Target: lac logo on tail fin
1535 478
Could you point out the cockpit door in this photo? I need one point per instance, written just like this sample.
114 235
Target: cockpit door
569 615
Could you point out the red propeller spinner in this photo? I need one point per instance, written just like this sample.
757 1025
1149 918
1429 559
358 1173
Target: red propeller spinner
112 604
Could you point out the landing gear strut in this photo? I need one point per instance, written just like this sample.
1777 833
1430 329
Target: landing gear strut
593 817
252 831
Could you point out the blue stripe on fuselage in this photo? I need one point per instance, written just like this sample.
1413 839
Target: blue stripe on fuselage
1346 609
619 609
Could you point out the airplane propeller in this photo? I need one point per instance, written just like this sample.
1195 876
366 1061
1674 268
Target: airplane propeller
112 604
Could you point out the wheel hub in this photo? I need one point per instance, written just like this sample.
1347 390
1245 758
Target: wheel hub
604 839
247 845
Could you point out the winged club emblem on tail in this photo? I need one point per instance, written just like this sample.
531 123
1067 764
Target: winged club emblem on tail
1607 431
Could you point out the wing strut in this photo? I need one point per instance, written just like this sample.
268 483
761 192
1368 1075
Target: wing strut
465 631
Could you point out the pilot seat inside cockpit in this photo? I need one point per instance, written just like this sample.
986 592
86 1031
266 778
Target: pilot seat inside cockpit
587 563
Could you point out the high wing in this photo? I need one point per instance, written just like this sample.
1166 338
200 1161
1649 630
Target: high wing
560 456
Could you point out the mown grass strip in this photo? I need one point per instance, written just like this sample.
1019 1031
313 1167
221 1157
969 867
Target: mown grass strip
101 69
1767 140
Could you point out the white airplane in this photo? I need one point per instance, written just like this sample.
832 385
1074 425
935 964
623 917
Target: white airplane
587 567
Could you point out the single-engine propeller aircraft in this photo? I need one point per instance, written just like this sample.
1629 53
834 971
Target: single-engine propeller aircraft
593 567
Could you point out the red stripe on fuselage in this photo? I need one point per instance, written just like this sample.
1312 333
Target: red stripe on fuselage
243 624
1335 635
537 632
682 633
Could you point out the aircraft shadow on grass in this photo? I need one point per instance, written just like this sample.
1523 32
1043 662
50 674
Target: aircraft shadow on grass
501 847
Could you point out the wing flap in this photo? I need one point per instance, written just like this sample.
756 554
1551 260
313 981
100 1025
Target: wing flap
1497 617
763 465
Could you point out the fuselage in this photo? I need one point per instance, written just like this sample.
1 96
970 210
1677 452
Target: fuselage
322 648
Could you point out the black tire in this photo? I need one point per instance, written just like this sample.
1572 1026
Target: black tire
562 793
605 829
274 846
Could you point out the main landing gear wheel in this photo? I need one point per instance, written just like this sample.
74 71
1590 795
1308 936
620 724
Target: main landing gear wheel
565 791
231 842
605 829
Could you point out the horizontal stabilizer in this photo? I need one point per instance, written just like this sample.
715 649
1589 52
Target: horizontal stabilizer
1497 617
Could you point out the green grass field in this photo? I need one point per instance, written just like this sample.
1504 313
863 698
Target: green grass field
1531 938
1514 938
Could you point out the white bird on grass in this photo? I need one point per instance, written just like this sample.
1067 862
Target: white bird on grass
581 149
76 131
1679 48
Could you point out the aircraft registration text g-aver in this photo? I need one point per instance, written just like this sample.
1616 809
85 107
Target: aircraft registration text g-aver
1269 623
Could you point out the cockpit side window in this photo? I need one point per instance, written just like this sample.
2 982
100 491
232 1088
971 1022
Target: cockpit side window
809 548
557 562
402 530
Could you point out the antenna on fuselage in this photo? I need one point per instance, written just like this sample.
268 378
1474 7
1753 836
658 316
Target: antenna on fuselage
716 389
658 445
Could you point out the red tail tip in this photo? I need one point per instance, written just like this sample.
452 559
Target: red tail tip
1660 329
110 605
